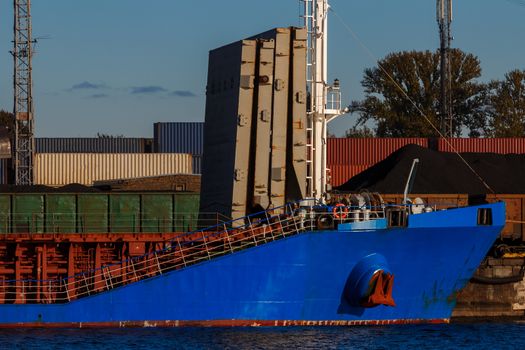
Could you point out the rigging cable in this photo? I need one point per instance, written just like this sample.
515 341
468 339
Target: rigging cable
369 52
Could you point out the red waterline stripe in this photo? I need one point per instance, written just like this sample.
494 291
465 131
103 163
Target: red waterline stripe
220 323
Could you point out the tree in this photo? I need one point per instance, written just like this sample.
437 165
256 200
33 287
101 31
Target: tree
355 132
7 122
417 74
109 136
506 112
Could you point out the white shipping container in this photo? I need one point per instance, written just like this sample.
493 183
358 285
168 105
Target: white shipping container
59 169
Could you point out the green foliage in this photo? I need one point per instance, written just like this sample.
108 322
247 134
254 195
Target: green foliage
7 122
505 116
356 132
416 74
108 136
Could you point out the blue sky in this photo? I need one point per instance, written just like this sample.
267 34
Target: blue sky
118 66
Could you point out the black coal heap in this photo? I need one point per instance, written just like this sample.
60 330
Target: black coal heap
71 188
442 172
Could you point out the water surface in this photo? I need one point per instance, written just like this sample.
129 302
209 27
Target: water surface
454 336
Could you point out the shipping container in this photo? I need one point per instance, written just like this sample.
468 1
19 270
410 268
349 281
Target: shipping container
340 174
5 213
163 183
93 145
98 212
124 212
482 145
366 151
92 212
58 169
197 164
60 213
515 209
28 213
157 213
178 137
186 212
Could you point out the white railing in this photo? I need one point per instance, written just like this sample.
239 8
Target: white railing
184 250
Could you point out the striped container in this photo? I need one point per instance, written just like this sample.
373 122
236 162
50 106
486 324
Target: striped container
58 169
93 145
342 173
492 145
183 137
366 151
197 164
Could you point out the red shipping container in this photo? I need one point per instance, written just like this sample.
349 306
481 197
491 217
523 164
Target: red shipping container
366 151
342 173
493 145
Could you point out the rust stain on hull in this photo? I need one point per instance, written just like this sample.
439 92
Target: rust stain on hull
222 323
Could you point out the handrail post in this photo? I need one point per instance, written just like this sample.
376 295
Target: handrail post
312 221
105 278
268 224
107 275
158 264
67 290
229 241
49 298
110 277
293 218
133 268
181 252
85 283
205 245
251 230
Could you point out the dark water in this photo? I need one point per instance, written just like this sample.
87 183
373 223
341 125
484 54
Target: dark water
456 336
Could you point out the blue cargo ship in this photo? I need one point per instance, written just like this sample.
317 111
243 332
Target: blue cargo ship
356 262
308 265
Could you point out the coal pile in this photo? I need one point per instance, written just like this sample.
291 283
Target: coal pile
442 172
71 188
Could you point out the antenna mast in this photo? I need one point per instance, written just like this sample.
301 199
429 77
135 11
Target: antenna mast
23 97
444 19
324 101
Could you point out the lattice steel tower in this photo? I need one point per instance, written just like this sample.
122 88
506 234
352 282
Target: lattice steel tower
23 99
444 19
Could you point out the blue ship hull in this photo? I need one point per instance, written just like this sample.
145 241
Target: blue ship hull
298 280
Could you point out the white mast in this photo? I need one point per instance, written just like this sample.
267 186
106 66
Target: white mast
324 103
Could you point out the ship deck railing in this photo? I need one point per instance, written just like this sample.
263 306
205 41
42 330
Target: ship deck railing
182 251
